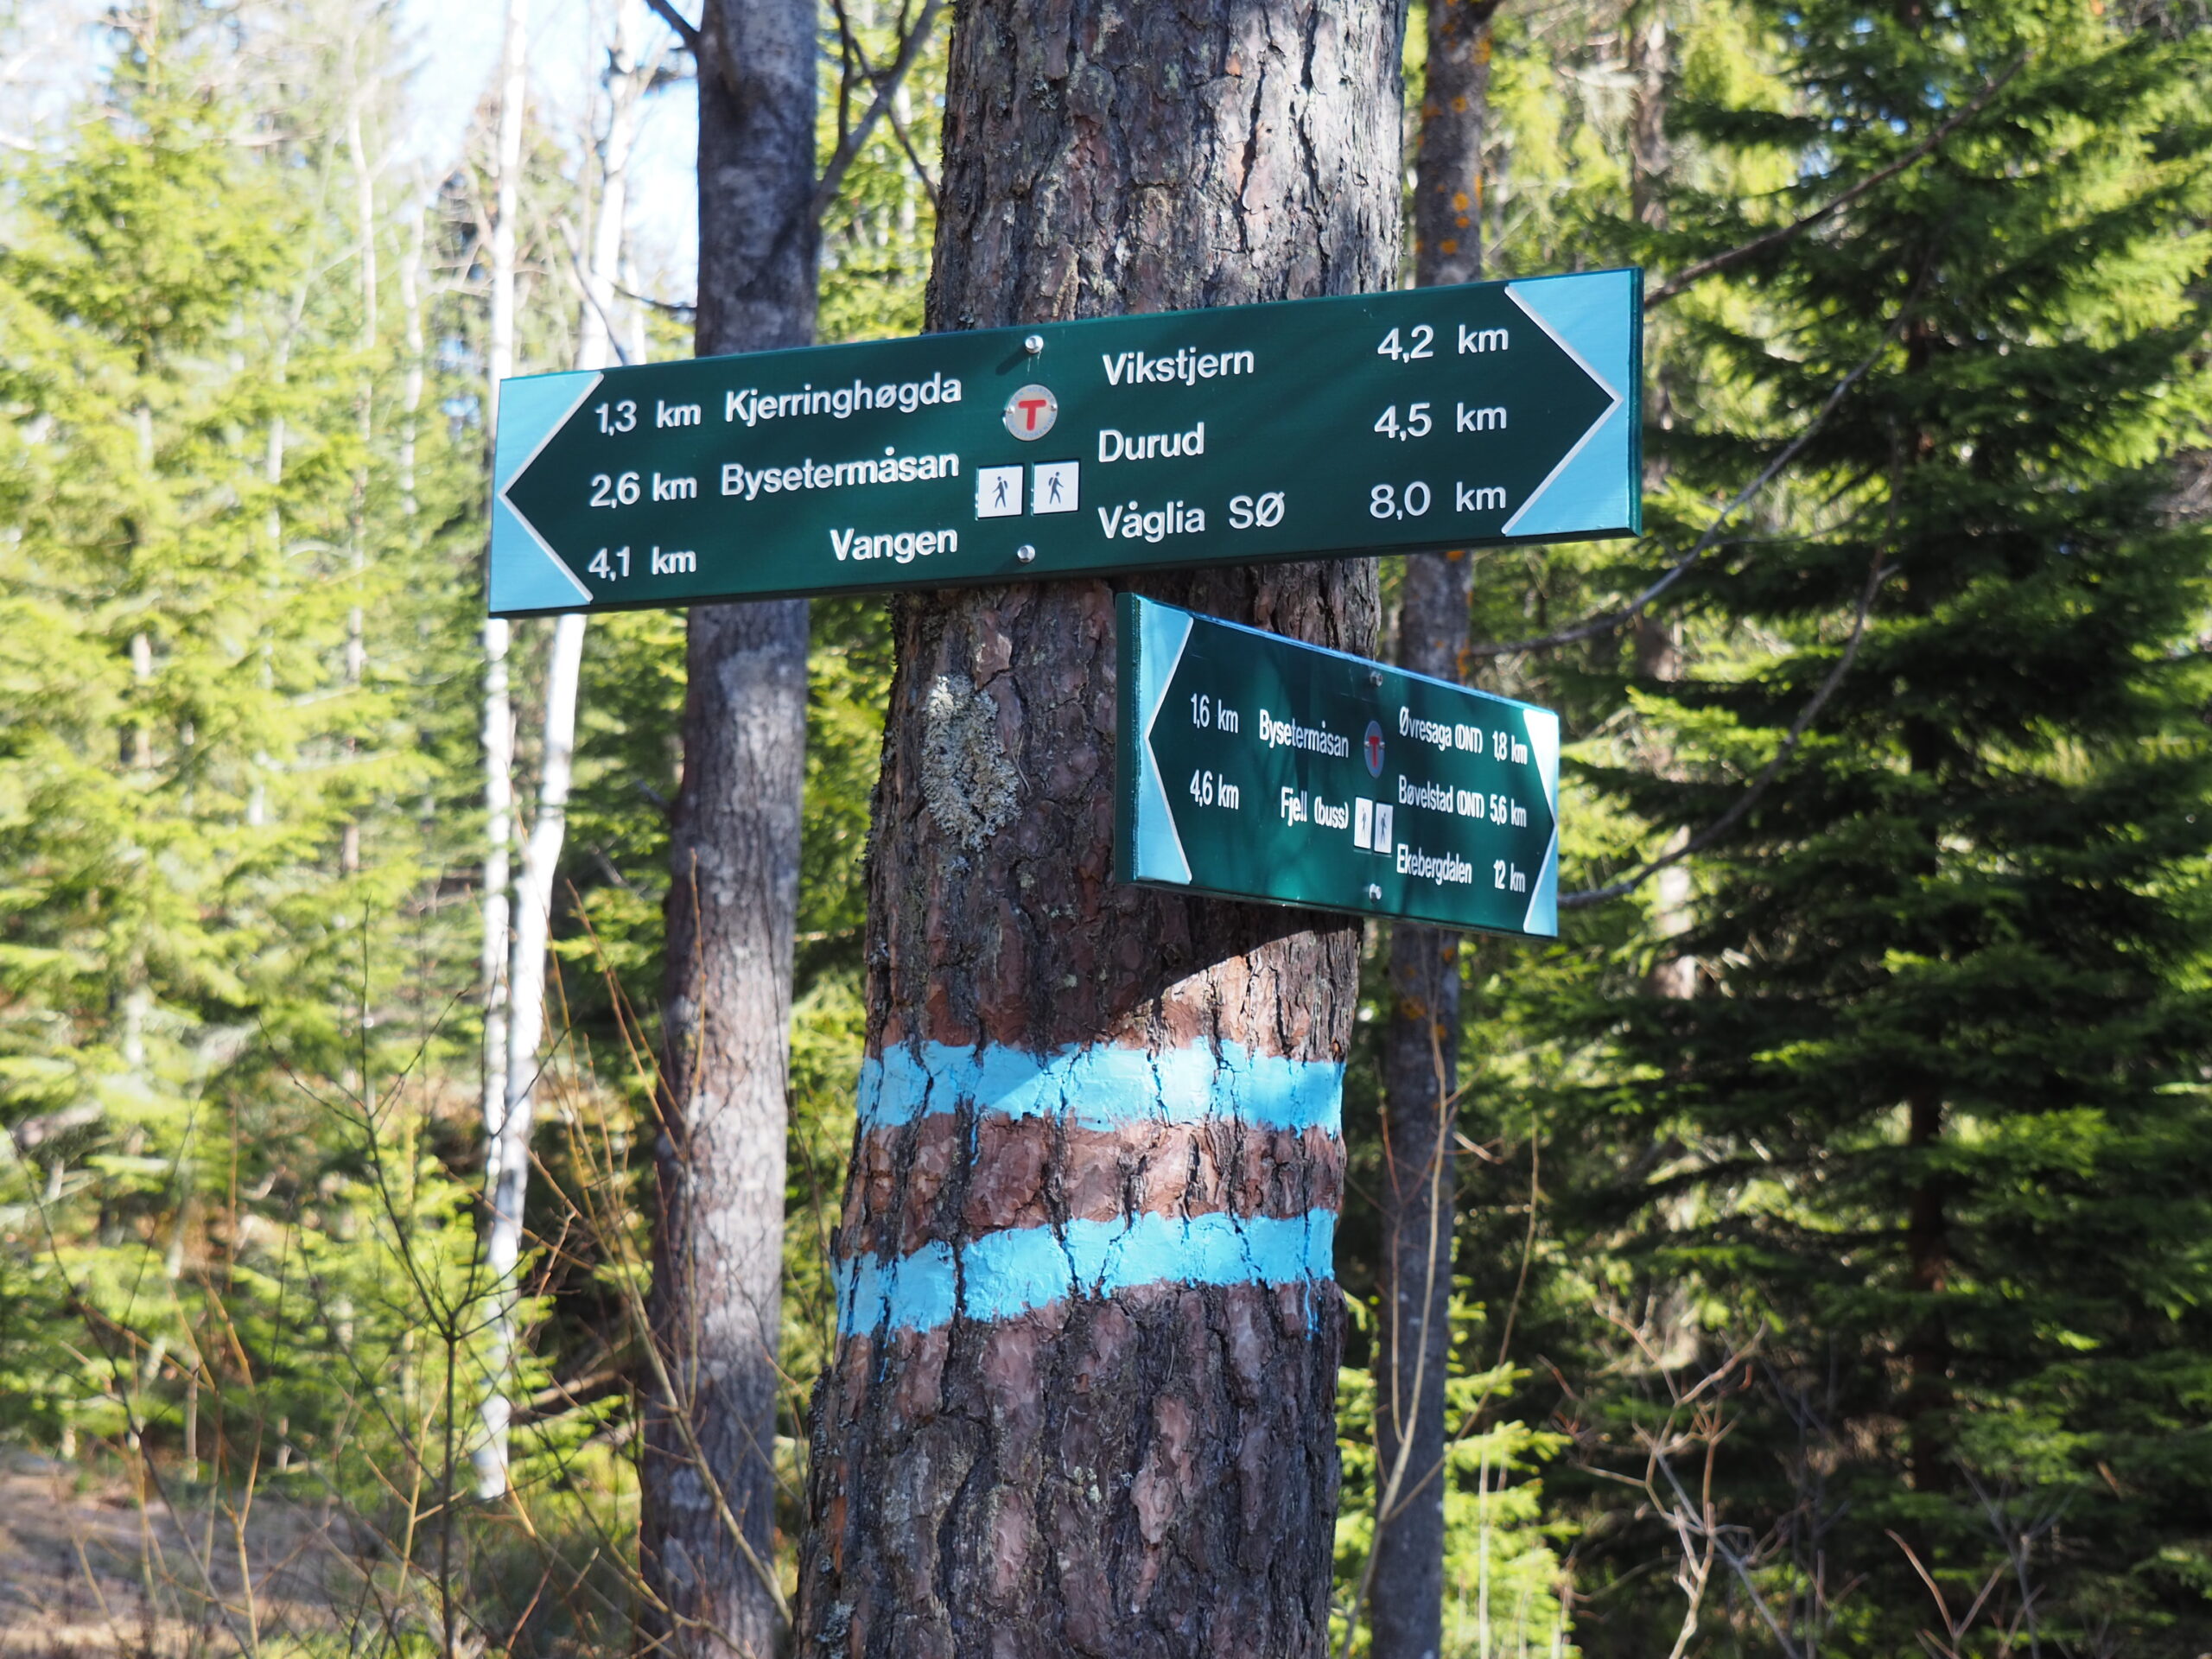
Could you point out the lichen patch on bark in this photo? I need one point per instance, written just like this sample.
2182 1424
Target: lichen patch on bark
972 788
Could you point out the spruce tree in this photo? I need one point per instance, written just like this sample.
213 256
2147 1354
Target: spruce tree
210 783
1931 1128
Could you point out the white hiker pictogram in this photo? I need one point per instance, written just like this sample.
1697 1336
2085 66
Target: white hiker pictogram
998 491
1053 486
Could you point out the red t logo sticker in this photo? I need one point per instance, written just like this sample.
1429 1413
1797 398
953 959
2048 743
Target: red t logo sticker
1031 412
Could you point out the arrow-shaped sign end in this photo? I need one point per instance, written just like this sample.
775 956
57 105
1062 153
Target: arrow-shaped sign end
526 574
1595 318
1162 633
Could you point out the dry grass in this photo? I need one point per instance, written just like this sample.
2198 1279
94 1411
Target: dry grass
93 1569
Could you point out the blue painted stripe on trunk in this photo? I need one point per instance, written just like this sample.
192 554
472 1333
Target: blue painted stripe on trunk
1104 1087
1003 1275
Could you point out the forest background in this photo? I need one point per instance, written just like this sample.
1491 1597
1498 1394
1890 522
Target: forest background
1833 1242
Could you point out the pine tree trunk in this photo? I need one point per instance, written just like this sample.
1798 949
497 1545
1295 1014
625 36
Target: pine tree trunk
708 1473
1421 1080
1643 30
1454 125
1927 1400
1659 657
1084 1395
1422 1042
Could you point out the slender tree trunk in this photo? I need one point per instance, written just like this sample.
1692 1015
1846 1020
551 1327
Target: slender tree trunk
498 738
629 73
1644 30
533 920
1658 645
365 210
1926 1399
1926 1402
1422 1042
509 1162
410 397
1659 657
1455 127
717 1291
1084 1395
498 718
1417 1188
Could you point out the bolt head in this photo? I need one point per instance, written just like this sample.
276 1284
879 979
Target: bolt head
1025 553
1033 344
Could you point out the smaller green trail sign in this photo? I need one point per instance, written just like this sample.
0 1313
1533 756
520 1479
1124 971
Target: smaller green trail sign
1253 766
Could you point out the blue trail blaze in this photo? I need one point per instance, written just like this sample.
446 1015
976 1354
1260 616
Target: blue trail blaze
1104 1087
1004 1274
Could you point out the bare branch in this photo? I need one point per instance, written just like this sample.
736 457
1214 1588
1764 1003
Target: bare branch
1775 238
922 173
687 33
583 286
1698 1524
1728 820
1612 621
886 88
35 1131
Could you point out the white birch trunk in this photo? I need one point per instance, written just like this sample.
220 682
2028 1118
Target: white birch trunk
498 720
507 1161
365 203
410 306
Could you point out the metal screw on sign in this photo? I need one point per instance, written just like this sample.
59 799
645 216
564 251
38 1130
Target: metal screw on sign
1033 344
1025 552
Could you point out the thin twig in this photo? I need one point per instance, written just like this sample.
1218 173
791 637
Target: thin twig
1752 250
1737 1564
1750 797
905 142
888 83
591 298
1612 621
686 32
682 310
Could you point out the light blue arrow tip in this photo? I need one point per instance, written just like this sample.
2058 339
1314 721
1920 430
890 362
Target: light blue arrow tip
526 574
1594 315
1161 634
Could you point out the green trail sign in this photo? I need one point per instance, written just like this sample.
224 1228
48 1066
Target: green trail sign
1253 766
1434 417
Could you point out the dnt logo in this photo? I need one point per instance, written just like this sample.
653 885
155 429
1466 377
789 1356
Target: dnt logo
1031 412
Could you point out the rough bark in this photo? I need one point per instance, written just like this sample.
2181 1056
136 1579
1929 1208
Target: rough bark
1050 1428
1659 657
1643 31
1927 1399
1420 1045
1421 1080
708 1471
1454 125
